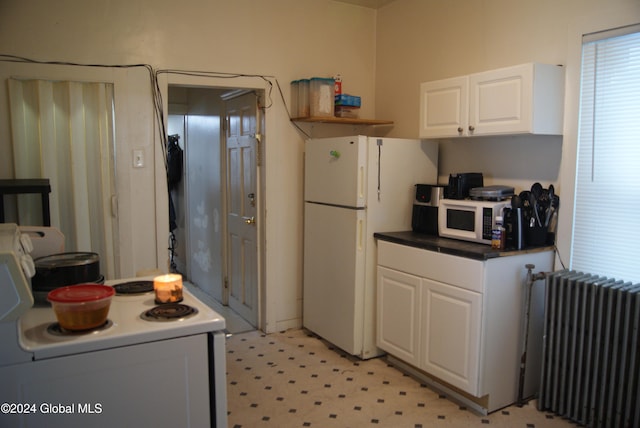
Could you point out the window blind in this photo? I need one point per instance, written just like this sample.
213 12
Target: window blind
606 233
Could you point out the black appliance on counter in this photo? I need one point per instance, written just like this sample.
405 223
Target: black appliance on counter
514 227
460 184
425 208
533 218
62 269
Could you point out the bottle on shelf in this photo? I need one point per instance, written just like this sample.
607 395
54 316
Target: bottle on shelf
498 235
337 84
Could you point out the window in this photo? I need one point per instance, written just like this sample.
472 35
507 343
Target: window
606 233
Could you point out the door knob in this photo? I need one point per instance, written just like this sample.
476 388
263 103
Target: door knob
249 220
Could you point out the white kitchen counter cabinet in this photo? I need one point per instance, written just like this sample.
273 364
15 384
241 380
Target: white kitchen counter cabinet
451 357
523 99
456 322
399 300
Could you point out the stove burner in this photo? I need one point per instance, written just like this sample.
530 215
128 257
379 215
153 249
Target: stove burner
134 287
56 329
169 312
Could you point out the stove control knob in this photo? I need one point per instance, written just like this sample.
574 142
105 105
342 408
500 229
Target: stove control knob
27 244
28 266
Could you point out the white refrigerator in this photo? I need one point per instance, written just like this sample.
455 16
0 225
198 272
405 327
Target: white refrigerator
354 186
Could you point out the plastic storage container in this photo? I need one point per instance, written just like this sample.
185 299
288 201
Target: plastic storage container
295 89
303 98
321 97
81 307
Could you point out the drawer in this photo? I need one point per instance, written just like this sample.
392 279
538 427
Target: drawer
459 271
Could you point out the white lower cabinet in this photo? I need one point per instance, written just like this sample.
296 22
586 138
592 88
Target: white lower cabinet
451 321
458 321
399 314
431 325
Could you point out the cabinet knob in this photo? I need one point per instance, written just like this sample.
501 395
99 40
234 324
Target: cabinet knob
472 128
460 129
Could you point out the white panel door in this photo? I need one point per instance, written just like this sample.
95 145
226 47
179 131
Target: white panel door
398 314
335 171
334 256
242 246
451 325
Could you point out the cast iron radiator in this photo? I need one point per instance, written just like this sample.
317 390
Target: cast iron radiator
591 354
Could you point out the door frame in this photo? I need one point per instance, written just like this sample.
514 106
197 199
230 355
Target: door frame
266 305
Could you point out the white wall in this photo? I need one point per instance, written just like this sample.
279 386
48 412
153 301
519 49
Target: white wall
419 41
287 39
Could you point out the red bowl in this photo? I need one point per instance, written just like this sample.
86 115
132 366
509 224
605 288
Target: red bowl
81 306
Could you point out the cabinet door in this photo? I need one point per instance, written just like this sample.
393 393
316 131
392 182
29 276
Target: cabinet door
398 313
443 108
500 101
451 326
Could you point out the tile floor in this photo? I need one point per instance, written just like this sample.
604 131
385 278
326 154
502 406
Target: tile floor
294 379
234 322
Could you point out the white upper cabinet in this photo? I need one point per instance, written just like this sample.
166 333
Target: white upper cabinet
524 99
444 108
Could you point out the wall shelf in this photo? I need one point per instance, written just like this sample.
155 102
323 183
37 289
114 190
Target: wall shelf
342 120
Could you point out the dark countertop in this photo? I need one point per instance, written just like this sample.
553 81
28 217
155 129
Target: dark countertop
454 247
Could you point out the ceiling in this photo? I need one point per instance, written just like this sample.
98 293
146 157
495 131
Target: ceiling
373 4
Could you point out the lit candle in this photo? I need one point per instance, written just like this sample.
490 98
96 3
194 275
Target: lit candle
168 288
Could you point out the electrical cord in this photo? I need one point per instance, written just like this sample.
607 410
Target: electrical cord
555 247
157 102
157 93
288 113
155 88
224 75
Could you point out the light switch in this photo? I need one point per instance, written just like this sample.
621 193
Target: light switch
138 158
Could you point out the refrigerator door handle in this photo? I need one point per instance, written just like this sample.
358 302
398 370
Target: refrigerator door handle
361 182
379 144
360 235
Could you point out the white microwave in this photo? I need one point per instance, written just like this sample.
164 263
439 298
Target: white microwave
469 220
